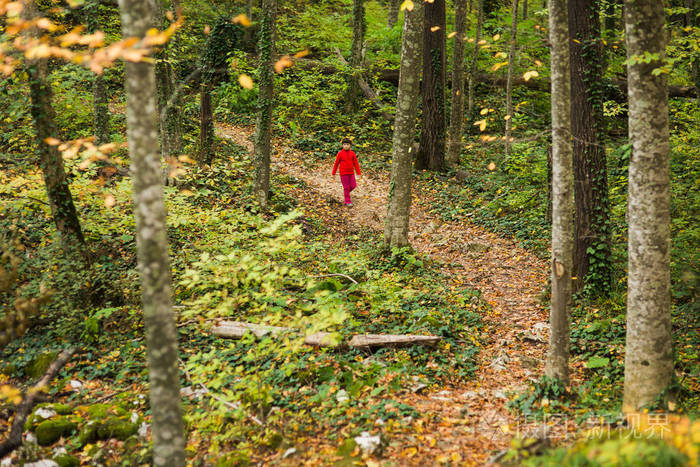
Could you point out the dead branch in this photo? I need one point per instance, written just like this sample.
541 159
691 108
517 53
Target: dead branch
238 329
14 440
337 275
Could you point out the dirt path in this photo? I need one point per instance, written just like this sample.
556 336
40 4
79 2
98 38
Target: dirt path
470 422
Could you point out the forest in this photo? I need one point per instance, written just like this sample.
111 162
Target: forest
349 232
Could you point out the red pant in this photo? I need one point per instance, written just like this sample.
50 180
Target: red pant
349 184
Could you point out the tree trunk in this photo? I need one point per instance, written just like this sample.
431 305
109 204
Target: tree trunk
152 246
206 125
509 78
431 154
398 213
358 39
263 127
475 57
100 104
454 147
50 159
591 233
557 365
393 15
247 33
648 354
524 10
692 19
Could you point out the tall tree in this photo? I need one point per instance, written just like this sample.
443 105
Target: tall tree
648 354
591 233
431 154
50 159
509 77
454 146
263 127
475 59
99 90
152 245
557 365
396 227
692 20
358 39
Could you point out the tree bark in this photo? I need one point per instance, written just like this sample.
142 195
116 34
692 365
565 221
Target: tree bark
100 103
524 10
263 127
399 203
692 19
206 125
454 146
152 246
393 15
557 365
591 233
475 57
509 78
648 354
431 154
358 39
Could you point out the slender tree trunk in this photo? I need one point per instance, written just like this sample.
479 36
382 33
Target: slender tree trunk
562 190
524 10
393 15
358 40
509 78
247 33
648 354
100 103
591 233
475 57
692 19
431 154
206 124
152 246
396 227
454 147
266 49
50 159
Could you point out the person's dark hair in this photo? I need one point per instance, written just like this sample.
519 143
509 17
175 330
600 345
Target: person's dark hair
347 141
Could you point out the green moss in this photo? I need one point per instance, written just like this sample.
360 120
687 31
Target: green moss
116 428
88 433
38 366
50 431
273 440
61 409
100 411
66 460
234 459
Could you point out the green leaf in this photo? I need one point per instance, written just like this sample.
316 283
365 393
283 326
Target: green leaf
597 362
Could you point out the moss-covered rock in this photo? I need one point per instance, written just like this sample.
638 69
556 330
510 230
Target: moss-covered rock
273 440
38 366
66 460
234 459
50 431
99 412
40 412
117 428
88 433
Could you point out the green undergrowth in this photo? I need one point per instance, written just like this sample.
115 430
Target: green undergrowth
231 262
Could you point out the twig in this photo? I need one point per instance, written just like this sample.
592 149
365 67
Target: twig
107 397
231 405
340 275
15 439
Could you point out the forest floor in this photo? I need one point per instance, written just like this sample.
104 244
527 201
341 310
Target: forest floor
466 424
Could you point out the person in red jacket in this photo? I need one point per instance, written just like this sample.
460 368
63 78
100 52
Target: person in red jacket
346 161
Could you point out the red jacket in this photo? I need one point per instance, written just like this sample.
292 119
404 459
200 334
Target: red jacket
347 160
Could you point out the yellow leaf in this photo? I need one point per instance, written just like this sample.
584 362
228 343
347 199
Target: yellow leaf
498 65
507 117
283 63
491 166
530 74
496 37
52 141
110 201
484 111
482 42
302 54
242 20
577 41
207 29
435 28
501 55
245 81
538 63
407 5
452 34
481 124
187 159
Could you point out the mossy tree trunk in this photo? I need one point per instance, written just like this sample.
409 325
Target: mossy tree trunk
431 154
454 146
475 60
58 192
152 246
206 124
591 232
393 15
557 365
509 77
396 226
99 91
358 39
648 351
263 128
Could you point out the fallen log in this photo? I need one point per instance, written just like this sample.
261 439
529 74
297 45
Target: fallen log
238 329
